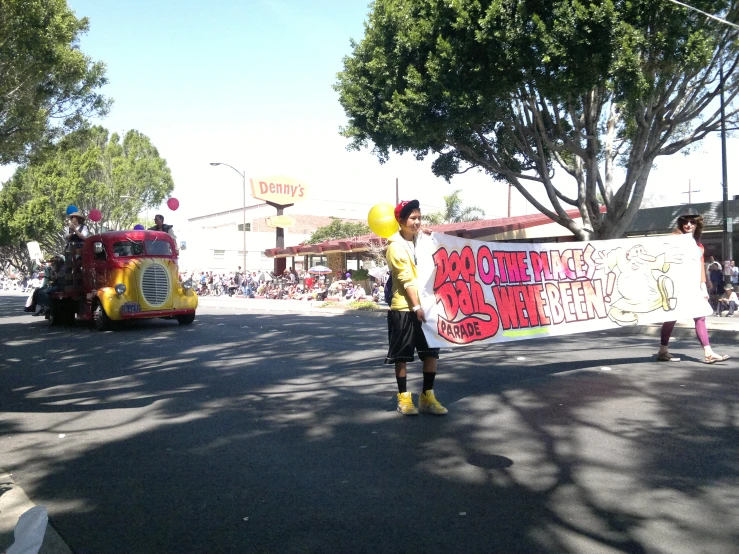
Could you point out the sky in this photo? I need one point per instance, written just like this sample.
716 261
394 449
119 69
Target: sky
249 83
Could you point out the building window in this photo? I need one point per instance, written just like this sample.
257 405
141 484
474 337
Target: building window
219 254
241 227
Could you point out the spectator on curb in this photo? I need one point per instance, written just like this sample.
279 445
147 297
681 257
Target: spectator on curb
728 301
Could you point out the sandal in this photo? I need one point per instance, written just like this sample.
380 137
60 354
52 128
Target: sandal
713 358
666 357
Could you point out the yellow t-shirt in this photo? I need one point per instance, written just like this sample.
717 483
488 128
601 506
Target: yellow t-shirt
399 256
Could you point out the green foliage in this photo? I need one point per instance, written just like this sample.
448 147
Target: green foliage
363 305
354 305
339 229
47 85
360 274
454 212
523 89
90 170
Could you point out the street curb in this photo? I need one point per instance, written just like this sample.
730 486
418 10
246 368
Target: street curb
13 503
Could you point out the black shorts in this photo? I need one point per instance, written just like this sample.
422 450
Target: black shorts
405 335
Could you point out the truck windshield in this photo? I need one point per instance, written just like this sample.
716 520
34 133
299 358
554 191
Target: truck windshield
129 248
158 248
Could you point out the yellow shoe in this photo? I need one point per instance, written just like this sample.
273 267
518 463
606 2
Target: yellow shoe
427 402
405 404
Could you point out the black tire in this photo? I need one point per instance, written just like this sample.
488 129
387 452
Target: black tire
101 319
186 319
69 313
56 313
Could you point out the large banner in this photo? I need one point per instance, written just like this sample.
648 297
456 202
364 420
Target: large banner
477 292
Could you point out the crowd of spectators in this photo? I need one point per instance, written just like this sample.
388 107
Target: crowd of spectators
18 283
291 284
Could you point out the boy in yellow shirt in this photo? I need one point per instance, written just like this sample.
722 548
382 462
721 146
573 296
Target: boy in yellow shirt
406 314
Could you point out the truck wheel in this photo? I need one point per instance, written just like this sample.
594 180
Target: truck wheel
55 313
186 319
69 314
101 319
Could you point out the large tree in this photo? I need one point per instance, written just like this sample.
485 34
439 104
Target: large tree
87 169
528 89
48 87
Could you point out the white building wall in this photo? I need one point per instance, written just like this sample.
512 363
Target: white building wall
215 243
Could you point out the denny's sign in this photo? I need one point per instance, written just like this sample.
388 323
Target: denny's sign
278 189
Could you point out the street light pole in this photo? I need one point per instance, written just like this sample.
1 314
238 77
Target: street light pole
243 227
728 223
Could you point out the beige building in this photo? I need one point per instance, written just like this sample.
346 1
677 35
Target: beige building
214 242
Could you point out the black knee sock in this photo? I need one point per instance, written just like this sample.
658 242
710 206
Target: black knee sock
428 381
401 384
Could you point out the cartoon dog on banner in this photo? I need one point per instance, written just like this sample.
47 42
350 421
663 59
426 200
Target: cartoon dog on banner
641 282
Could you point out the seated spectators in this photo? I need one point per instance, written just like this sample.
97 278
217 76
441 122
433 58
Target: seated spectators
377 292
336 290
359 293
728 301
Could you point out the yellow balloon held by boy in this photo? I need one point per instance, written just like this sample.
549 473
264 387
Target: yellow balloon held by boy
381 219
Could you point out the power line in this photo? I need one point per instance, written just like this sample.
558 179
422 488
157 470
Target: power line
364 203
720 20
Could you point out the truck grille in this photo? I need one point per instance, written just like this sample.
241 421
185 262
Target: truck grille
155 285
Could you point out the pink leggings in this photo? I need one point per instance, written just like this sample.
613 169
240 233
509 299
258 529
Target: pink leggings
700 331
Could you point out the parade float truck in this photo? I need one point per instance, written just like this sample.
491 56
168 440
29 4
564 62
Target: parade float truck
123 276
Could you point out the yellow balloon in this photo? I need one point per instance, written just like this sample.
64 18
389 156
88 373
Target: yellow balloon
381 219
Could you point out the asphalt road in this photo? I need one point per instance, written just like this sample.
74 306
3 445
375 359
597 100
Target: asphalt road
263 431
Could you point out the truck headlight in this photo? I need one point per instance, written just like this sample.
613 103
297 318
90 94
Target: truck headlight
120 288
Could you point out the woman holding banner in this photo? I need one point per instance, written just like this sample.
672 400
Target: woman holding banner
690 223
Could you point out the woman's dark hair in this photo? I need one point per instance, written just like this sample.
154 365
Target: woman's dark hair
697 219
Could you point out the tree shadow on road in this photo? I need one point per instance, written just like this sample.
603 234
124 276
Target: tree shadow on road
259 432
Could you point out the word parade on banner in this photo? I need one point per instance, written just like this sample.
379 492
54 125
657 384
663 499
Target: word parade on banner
477 292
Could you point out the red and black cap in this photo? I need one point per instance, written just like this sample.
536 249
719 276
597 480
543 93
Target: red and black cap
404 209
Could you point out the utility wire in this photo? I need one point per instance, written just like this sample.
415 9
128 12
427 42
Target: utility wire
705 13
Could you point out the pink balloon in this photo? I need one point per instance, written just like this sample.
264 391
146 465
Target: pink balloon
95 215
173 204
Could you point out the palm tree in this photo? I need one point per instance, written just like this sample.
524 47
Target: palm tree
454 212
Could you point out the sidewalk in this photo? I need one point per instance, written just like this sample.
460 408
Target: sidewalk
13 503
713 323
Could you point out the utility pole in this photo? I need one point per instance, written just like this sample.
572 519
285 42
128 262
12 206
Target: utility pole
509 200
397 193
690 192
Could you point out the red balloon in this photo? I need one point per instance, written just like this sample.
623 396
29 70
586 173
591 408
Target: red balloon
95 215
173 204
